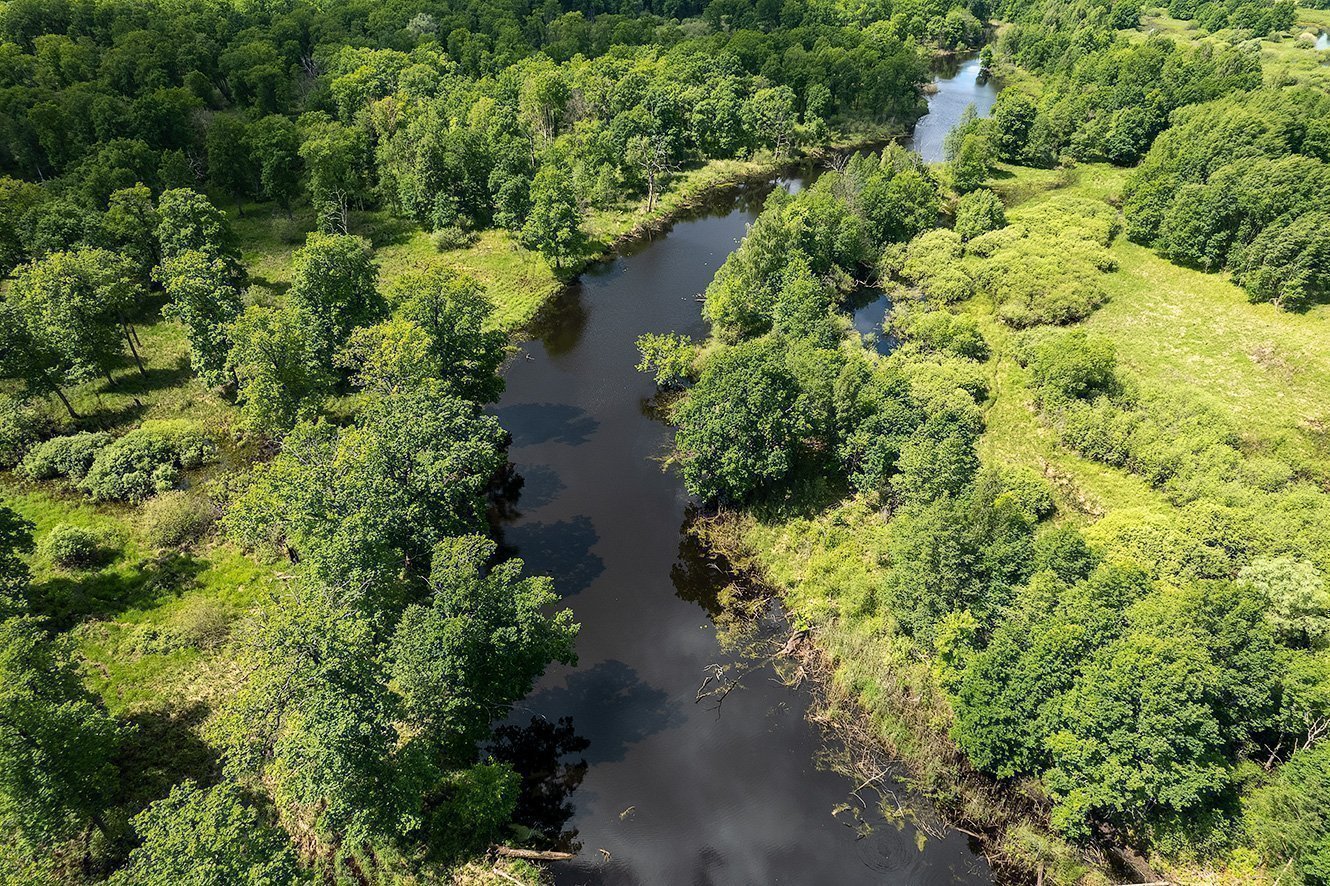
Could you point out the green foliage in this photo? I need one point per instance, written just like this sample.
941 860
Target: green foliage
478 646
1297 595
22 424
148 460
376 496
334 288
56 743
205 300
669 357
177 519
455 314
943 332
1239 183
979 212
312 720
741 427
70 456
1073 366
72 547
69 316
207 837
15 543
281 378
1290 817
553 227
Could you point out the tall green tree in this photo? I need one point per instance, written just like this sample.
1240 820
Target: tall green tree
553 227
461 660
334 288
455 313
56 742
741 428
76 306
363 503
204 300
279 369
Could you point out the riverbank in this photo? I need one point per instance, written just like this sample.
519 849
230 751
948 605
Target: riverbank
823 560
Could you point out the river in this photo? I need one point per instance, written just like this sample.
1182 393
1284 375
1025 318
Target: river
647 783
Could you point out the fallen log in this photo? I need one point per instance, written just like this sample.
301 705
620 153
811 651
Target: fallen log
532 854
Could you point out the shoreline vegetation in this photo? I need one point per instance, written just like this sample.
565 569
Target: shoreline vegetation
257 290
1181 338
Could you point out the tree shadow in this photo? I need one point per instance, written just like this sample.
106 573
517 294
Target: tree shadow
611 702
560 324
561 550
540 752
382 229
66 600
162 748
531 424
525 488
700 574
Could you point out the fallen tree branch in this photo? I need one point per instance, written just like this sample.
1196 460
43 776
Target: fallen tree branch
533 854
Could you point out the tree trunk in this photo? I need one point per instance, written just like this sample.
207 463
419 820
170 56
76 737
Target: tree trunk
65 400
129 337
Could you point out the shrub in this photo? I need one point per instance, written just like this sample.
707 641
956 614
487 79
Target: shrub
70 456
147 460
176 519
451 237
1073 366
22 423
943 332
978 213
72 547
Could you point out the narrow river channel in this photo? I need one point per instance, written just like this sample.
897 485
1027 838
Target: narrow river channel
648 784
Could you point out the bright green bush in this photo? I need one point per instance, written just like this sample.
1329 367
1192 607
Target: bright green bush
70 456
176 519
1073 366
979 212
72 547
147 460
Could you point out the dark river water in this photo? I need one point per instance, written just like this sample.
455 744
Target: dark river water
647 783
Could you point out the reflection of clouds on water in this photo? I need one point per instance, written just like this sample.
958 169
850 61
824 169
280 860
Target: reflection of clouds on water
561 550
610 695
534 423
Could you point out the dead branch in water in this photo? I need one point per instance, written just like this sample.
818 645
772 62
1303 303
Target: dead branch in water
533 854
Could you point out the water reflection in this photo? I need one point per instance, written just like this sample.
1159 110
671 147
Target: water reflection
531 424
868 314
612 695
543 752
560 549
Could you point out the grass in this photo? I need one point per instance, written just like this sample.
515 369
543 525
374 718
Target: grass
1286 58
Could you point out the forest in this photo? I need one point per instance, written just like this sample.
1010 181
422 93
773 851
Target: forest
1065 543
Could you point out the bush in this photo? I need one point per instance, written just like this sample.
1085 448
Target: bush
70 456
22 423
177 519
451 237
943 332
73 547
1073 366
147 460
978 213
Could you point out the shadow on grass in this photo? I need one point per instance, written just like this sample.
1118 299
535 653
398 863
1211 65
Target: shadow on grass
68 599
163 747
